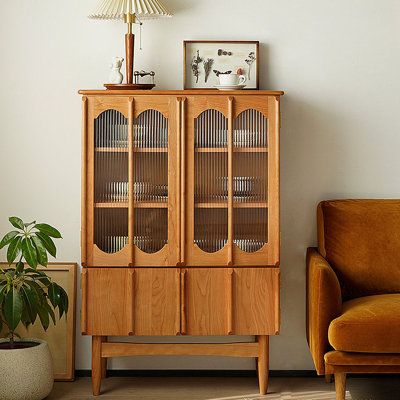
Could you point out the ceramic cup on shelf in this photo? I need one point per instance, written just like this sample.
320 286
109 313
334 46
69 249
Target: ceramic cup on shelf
231 79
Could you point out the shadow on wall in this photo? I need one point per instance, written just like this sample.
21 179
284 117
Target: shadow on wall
313 160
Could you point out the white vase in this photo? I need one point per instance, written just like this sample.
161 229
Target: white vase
27 373
116 76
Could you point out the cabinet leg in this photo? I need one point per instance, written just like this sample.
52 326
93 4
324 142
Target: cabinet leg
340 386
328 378
96 364
263 363
104 361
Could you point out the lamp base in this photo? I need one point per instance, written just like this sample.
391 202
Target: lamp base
129 86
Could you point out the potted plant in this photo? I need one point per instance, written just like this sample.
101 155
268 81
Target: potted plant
27 294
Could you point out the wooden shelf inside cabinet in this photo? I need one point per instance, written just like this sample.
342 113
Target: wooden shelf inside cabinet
111 150
140 204
148 204
135 150
150 150
249 204
111 205
250 149
235 150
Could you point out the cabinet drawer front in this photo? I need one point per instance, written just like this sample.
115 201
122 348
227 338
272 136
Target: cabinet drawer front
106 306
256 301
156 301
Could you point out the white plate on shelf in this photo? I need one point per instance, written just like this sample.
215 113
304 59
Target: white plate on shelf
230 87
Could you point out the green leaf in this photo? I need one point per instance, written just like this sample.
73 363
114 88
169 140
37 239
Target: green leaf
19 268
29 224
50 312
16 222
48 230
36 287
13 308
2 294
31 301
47 243
40 250
29 252
8 238
14 249
44 316
54 294
64 304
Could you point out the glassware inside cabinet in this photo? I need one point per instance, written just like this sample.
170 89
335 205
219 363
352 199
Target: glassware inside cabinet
111 229
250 130
151 229
250 231
211 228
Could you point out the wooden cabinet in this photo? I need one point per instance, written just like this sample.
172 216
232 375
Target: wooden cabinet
180 221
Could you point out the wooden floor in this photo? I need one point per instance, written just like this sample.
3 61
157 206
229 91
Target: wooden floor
386 388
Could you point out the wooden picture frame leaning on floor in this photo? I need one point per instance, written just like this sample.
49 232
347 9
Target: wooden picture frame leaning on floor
60 337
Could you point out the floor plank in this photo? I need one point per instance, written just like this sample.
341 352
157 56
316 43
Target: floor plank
202 388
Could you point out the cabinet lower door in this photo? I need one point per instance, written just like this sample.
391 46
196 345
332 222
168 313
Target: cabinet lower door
106 301
256 301
128 301
224 301
207 301
156 301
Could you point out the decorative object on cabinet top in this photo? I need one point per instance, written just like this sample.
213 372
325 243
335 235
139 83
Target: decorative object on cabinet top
131 12
207 62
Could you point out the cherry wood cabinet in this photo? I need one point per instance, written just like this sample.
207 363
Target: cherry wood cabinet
180 221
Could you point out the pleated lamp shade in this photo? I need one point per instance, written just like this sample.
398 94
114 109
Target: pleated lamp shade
118 9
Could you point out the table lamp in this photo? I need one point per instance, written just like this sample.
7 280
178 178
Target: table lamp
130 11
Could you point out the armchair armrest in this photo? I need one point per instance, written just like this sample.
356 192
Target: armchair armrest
324 304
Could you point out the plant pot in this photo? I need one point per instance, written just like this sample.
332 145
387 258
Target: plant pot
26 373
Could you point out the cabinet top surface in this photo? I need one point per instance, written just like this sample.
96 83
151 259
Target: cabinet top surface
203 92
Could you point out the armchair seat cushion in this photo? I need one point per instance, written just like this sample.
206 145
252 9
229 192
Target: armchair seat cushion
368 324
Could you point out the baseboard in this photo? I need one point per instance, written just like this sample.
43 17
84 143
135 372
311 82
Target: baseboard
198 373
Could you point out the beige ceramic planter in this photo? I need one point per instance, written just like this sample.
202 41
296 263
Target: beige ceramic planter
26 374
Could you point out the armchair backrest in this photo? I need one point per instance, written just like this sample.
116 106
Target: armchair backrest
361 241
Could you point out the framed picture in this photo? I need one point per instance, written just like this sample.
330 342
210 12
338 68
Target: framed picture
60 337
204 60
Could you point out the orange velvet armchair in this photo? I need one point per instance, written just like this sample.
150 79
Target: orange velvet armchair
353 289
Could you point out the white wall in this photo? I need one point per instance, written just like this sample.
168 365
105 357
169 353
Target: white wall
338 62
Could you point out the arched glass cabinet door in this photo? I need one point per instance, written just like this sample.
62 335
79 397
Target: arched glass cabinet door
110 188
250 180
150 187
155 201
255 183
206 198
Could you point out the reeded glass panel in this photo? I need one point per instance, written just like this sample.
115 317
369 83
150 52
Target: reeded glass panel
151 229
250 129
250 180
211 181
111 157
111 181
211 228
111 229
150 146
250 177
150 130
250 228
211 129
